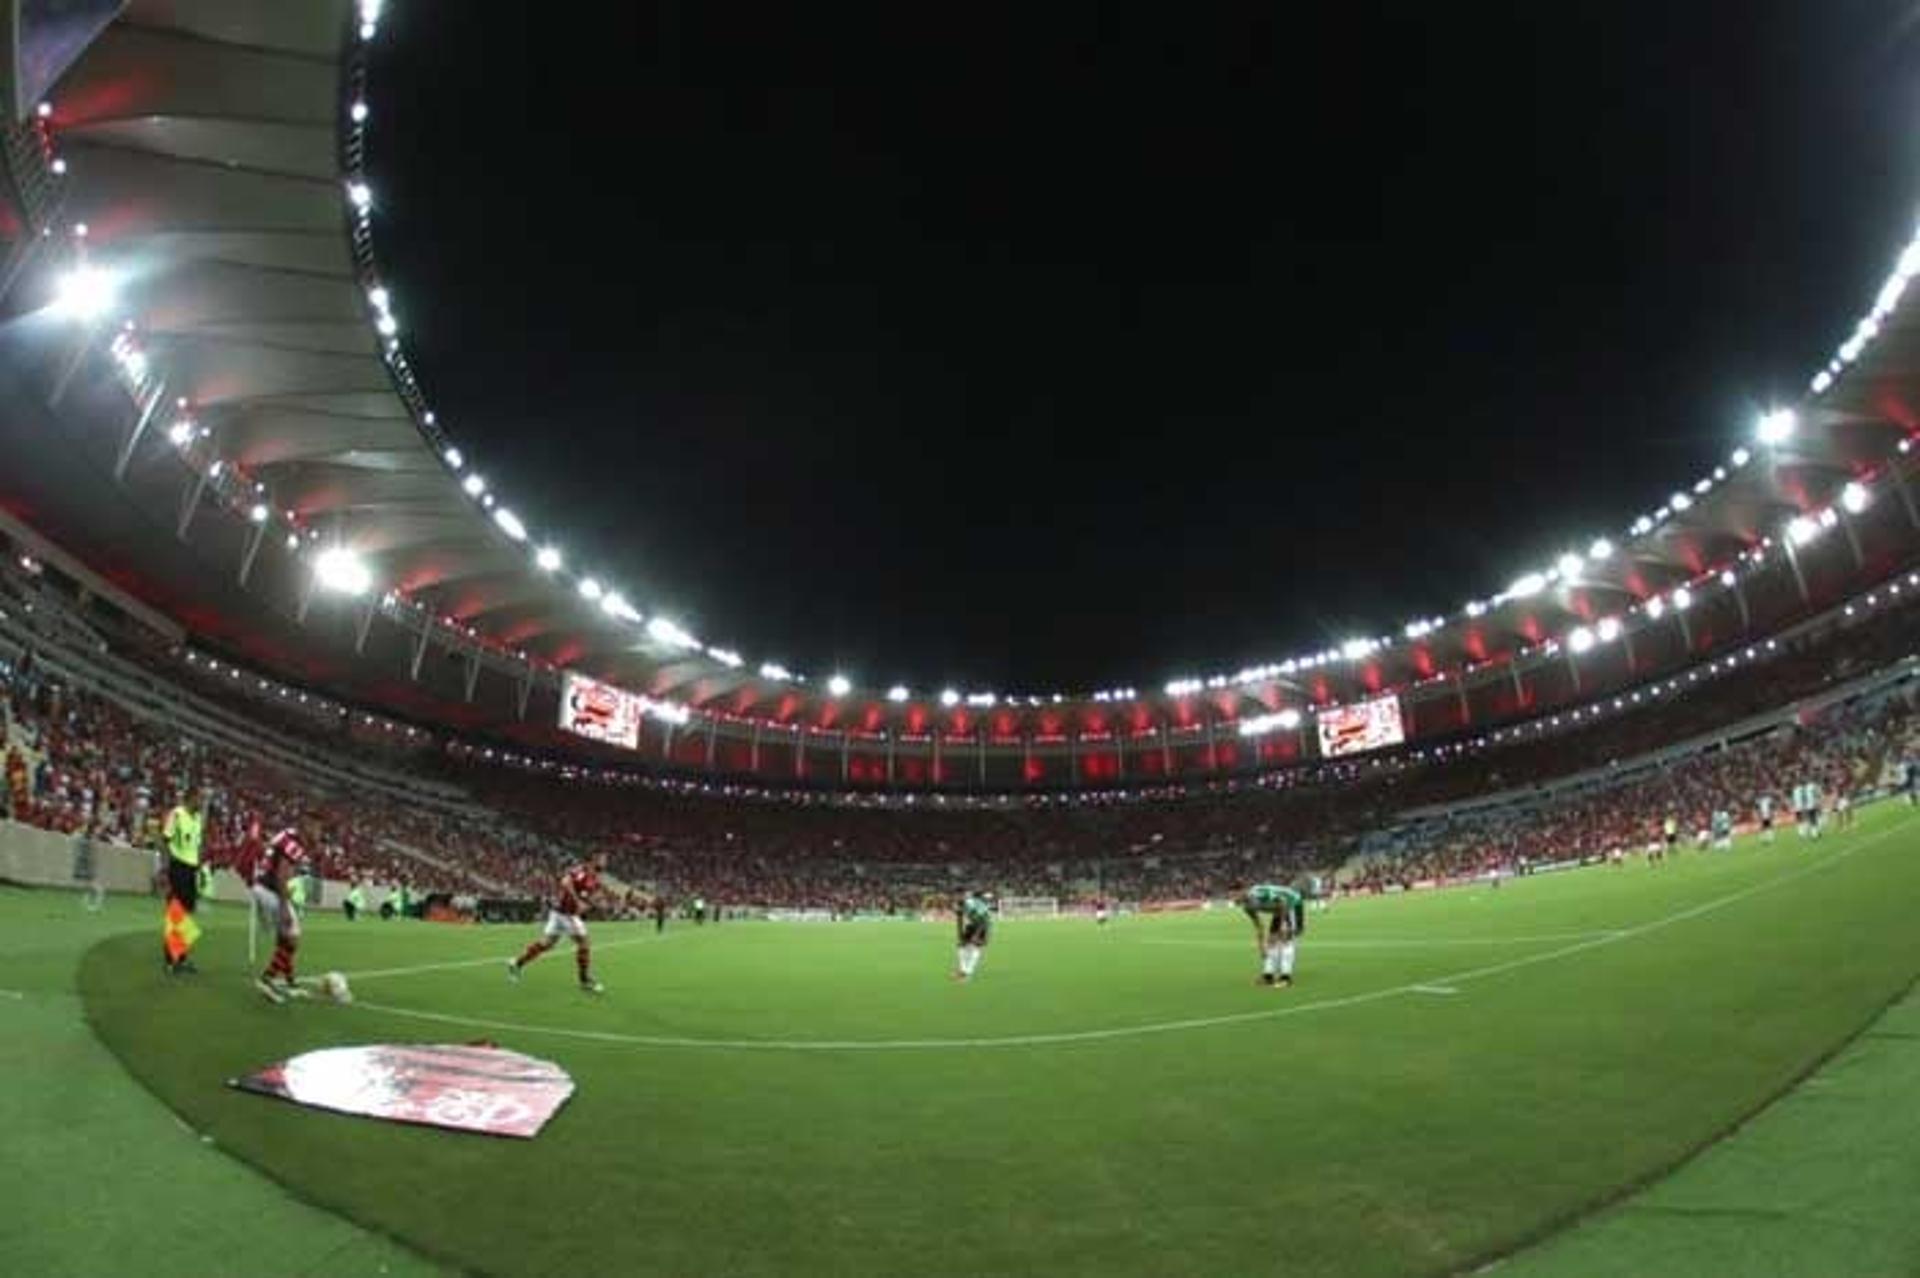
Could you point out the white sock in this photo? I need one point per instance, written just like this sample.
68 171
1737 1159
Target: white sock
960 960
1268 958
1286 959
973 960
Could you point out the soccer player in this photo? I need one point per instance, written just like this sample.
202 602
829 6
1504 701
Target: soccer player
184 834
1275 942
1722 829
1765 807
1100 911
578 886
282 860
973 919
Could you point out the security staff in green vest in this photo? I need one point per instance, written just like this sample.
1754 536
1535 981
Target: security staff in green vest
184 834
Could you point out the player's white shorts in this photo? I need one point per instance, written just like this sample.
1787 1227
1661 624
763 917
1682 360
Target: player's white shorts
1100 916
559 925
280 916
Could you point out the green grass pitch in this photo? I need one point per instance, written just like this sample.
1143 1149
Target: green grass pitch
1456 1074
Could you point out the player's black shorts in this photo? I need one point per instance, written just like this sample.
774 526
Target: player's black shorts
973 933
183 881
1766 822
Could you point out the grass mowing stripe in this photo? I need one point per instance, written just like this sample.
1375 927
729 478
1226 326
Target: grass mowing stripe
1594 941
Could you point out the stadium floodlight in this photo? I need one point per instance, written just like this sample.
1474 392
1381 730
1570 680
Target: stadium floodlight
948 697
381 299
726 657
1656 607
85 293
455 458
1475 608
1683 599
1854 497
662 630
341 571
774 670
589 588
1600 551
1680 502
1727 578
1529 584
1570 565
1741 456
1607 630
839 685
360 195
981 700
1801 530
474 485
1580 639
258 514
548 559
898 692
386 325
358 112
1776 427
510 524
181 433
1357 649
615 605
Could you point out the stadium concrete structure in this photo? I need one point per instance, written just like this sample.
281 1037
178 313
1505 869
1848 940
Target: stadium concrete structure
193 454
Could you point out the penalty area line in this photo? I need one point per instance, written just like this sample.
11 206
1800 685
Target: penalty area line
1141 1031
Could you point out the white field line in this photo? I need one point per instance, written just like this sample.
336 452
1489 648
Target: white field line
491 960
1433 989
1160 1027
1395 942
17 995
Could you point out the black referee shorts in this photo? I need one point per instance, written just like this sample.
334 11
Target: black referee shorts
183 882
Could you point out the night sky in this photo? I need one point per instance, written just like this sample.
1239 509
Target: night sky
1055 346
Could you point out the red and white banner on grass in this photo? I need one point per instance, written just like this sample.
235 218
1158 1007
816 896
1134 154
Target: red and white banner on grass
469 1088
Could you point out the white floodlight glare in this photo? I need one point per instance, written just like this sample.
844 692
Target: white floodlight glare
1355 649
455 458
726 657
1741 456
897 693
258 514
1530 584
1580 639
386 325
1727 579
1680 502
1683 599
589 588
614 604
662 630
381 299
1608 629
948 697
839 685
85 293
340 570
358 112
1656 607
1570 565
1600 551
1801 530
360 195
510 524
1854 497
548 558
1475 608
181 433
773 670
1776 427
474 485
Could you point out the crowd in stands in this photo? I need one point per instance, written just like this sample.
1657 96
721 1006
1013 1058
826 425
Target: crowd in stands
74 758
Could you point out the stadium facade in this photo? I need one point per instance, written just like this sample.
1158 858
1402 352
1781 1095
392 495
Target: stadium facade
215 430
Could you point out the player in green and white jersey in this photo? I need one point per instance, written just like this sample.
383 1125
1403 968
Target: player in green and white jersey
973 918
1287 919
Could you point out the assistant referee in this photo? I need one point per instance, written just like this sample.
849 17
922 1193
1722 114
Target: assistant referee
184 831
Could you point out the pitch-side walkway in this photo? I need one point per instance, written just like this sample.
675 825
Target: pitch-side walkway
1822 1182
98 1178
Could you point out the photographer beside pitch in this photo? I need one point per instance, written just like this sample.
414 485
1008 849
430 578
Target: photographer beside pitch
1274 942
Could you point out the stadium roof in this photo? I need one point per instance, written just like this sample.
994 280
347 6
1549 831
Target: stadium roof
211 149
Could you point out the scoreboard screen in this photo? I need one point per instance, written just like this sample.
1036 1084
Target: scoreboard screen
1355 729
599 712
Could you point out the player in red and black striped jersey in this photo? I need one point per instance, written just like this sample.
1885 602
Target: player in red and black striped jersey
285 856
578 888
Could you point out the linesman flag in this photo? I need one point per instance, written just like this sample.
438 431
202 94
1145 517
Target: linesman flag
180 931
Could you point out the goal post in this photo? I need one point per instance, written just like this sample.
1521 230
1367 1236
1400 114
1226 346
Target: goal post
1029 907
